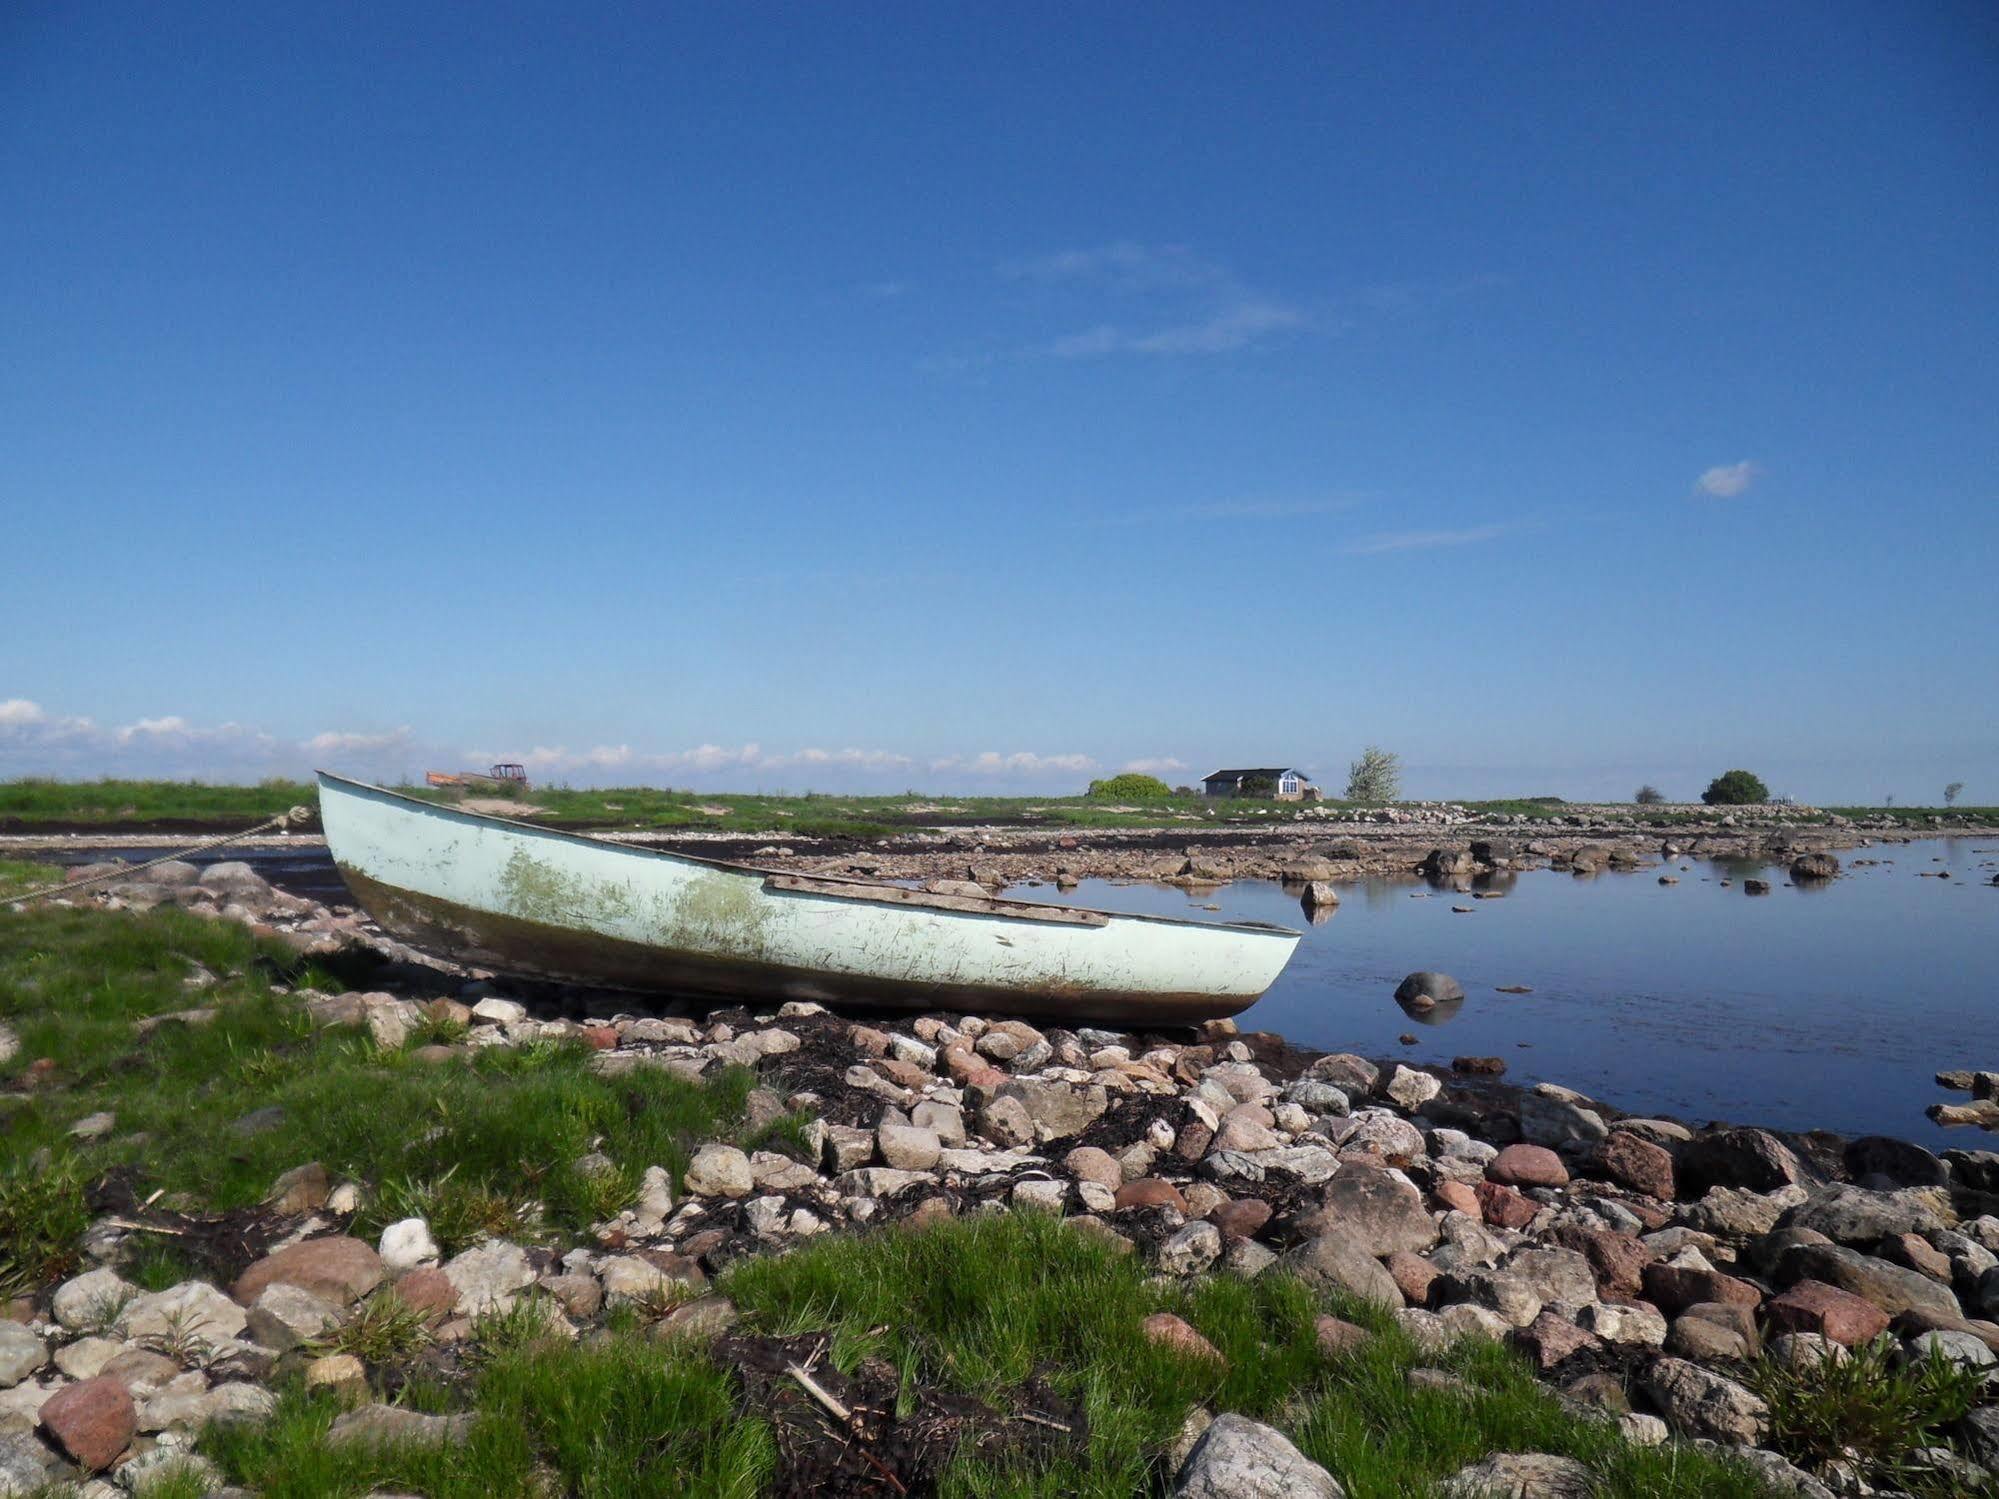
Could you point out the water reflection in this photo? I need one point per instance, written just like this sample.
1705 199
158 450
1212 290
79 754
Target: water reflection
1825 1004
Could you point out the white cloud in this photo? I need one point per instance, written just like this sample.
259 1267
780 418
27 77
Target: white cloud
1410 541
1727 480
1202 306
1125 266
1265 509
1020 762
173 724
1164 765
34 741
339 742
858 759
1236 326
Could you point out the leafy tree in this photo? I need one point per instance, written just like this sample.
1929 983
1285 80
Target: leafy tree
1130 786
1735 788
1375 777
1950 793
1649 796
1263 786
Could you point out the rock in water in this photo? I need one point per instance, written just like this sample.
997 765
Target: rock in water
1424 990
1238 1458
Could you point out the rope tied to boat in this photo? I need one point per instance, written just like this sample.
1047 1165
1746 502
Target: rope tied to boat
281 823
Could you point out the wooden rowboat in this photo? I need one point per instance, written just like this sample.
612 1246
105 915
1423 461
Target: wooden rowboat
517 898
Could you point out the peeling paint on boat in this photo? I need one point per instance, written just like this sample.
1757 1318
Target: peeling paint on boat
532 900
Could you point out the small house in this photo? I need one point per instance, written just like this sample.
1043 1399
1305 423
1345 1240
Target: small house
1290 785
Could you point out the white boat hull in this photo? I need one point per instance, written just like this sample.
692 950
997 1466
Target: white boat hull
516 898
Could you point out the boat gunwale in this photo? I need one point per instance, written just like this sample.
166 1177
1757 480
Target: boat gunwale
733 866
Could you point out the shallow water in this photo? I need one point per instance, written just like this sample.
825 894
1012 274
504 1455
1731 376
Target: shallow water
1825 1006
1828 1006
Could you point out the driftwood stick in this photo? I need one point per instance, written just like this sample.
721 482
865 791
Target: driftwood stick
877 1464
820 1393
144 1228
1051 1424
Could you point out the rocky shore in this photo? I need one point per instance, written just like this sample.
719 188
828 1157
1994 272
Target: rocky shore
1298 846
1651 1272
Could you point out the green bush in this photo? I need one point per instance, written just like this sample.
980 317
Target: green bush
1871 1411
1735 788
1131 787
1649 796
1375 777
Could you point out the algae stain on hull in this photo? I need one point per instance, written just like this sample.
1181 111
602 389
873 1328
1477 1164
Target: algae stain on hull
720 912
534 890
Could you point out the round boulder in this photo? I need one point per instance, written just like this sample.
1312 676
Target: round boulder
1424 990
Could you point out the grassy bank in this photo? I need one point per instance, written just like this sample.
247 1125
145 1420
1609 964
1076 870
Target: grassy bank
182 1038
987 1318
167 1059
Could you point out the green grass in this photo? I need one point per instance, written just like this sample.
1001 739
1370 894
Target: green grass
1920 816
39 800
110 804
1871 1410
979 1308
475 1140
982 1305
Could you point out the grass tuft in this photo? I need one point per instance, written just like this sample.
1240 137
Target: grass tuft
43 1214
1872 1410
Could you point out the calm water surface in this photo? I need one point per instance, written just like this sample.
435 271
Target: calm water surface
1812 1007
1829 1006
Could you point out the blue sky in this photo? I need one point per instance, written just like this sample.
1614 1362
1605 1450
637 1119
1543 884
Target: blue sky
981 397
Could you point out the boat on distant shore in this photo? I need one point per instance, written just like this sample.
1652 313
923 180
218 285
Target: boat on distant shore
540 902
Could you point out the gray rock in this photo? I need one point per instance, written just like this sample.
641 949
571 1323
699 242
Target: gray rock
1733 1211
1554 1274
1336 1260
1898 1161
1192 1250
1381 1211
406 1244
1424 989
1057 1109
1516 1302
155 1471
1318 1097
1889 1286
191 1310
26 1466
1778 1471
1410 1088
376 1425
720 1171
1547 1119
21 1354
1005 1121
1384 1132
488 1277
906 1147
1521 1475
284 1316
1965 1349
1979 1431
1698 1402
1237 1458
1352 1075
1750 1158
1852 1215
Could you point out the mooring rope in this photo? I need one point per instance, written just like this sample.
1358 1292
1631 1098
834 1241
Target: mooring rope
125 871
